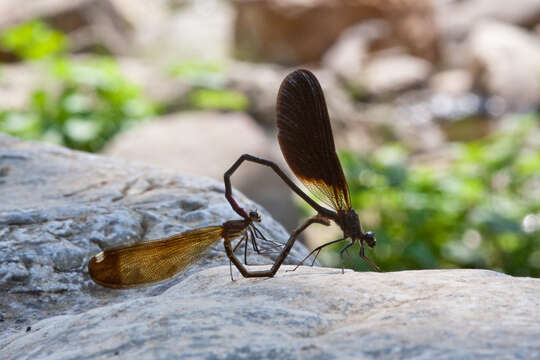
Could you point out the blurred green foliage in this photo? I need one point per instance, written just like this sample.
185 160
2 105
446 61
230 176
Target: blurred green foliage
199 72
216 99
84 103
479 209
33 40
208 86
89 103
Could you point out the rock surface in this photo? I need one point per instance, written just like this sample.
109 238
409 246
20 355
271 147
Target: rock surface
60 207
313 313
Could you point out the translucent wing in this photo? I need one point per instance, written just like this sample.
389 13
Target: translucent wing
132 266
306 141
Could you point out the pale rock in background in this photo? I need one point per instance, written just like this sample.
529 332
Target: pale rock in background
348 54
455 81
207 144
455 18
506 62
293 32
17 82
391 73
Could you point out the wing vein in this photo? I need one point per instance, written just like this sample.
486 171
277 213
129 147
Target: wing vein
306 140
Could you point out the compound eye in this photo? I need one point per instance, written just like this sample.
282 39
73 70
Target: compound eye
370 239
254 215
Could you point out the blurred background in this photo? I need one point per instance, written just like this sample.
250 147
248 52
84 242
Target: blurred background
434 107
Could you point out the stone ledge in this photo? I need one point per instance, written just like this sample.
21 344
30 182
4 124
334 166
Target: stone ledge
314 313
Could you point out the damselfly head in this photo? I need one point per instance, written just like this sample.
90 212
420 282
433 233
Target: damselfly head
254 216
369 238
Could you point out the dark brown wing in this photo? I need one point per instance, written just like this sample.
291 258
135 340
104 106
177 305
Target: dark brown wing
145 263
306 140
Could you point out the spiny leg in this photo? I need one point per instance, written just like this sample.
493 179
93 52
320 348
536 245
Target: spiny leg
261 236
253 241
341 255
240 242
257 234
246 157
252 235
273 245
275 267
314 258
349 256
242 239
364 257
246 248
318 250
323 213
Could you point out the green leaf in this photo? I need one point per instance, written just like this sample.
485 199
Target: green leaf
91 103
33 40
211 99
469 212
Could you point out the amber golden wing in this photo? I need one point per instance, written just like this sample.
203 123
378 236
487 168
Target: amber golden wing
150 262
306 141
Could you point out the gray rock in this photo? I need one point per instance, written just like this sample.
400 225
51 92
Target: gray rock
60 207
19 81
88 23
349 53
187 30
260 83
390 74
453 82
408 119
313 313
204 143
506 60
155 81
456 18
282 31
